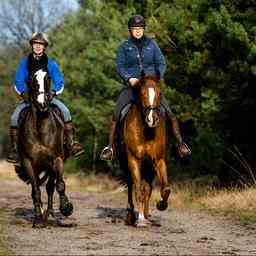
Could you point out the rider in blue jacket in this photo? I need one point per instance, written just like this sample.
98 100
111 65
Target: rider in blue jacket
139 53
36 60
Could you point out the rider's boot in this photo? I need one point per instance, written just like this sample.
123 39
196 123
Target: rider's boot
13 155
182 147
74 147
108 152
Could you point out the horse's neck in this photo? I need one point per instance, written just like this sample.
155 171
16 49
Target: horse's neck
40 121
138 122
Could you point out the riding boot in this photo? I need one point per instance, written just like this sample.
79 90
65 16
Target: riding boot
13 155
182 147
74 147
108 152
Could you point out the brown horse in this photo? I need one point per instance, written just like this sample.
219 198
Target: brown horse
40 146
142 151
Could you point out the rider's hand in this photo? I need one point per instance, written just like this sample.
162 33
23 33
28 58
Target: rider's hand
133 81
25 96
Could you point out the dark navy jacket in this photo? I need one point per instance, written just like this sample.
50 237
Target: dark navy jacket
21 77
129 63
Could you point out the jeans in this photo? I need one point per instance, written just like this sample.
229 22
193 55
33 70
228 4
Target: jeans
22 104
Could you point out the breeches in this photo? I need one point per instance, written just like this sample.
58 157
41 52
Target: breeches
128 96
21 105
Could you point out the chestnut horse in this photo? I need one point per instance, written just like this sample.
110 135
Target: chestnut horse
141 152
40 146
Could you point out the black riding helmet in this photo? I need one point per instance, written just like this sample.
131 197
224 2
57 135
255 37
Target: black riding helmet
136 21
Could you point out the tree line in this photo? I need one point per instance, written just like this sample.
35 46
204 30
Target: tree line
210 49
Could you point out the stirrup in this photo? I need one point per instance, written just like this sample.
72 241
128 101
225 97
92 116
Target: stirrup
13 160
107 154
77 149
183 154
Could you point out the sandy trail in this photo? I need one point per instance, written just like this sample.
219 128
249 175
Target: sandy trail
99 227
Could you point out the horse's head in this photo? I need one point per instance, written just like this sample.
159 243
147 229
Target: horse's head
150 94
40 90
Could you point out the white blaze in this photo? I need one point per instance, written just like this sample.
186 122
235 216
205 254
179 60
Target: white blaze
152 94
40 74
150 118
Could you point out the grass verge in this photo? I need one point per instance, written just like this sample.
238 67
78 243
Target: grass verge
202 194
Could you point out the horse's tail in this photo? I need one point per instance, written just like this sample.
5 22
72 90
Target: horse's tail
23 175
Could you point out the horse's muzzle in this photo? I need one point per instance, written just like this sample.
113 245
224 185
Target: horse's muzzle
42 102
152 117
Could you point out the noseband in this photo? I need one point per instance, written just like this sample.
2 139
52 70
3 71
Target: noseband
149 108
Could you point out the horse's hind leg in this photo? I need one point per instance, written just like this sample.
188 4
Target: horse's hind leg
36 196
50 187
164 186
66 207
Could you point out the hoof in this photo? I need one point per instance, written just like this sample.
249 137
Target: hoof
162 205
142 223
130 217
47 214
66 222
66 209
38 223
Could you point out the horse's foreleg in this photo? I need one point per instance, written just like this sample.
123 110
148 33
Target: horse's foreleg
50 186
130 218
164 185
134 167
66 207
36 195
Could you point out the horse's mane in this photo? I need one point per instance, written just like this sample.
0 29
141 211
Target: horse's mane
155 78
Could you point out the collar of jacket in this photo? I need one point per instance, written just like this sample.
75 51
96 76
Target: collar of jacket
145 42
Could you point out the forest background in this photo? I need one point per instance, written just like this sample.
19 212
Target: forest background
210 49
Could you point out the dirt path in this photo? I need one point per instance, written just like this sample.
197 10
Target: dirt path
100 230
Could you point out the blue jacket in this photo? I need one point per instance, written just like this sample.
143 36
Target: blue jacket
129 63
21 77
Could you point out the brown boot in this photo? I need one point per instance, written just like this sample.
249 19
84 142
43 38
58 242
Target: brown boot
182 147
108 152
13 155
75 149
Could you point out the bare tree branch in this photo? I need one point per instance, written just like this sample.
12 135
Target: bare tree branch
19 19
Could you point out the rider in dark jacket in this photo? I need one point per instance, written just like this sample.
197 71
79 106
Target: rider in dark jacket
139 53
36 60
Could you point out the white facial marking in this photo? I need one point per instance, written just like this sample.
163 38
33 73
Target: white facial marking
150 118
152 94
40 98
40 74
